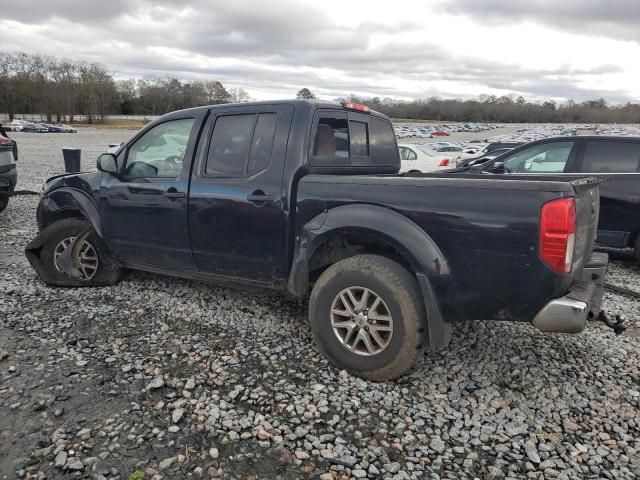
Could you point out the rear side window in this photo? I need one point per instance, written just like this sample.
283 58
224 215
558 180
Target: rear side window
241 145
407 154
611 157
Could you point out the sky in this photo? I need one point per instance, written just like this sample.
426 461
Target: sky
541 49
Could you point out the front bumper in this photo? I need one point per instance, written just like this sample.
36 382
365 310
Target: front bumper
569 314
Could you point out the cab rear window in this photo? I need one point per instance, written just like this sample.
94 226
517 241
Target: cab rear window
352 140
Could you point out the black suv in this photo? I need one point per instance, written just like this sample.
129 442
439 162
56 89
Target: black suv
614 159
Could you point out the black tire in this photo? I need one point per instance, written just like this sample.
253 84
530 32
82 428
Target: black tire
399 291
107 273
4 201
636 249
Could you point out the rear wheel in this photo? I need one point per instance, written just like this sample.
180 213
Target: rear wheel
367 317
91 259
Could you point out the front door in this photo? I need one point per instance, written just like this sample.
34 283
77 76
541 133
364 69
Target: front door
236 202
145 206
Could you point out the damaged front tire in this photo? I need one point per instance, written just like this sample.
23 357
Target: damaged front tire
69 253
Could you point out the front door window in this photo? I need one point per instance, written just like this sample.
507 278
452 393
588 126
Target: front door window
160 151
546 158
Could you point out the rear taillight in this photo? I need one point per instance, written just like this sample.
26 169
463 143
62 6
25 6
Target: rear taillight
444 162
558 233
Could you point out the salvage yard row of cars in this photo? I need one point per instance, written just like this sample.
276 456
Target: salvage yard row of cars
27 126
435 156
422 130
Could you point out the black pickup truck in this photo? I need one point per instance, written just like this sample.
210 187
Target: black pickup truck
304 197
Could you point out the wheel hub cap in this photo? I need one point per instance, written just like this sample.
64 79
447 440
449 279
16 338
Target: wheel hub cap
86 260
361 321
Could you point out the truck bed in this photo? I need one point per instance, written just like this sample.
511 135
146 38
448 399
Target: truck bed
486 228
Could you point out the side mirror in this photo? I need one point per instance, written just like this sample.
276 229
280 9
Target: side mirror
108 163
498 167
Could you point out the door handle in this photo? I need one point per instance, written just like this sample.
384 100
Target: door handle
173 193
260 197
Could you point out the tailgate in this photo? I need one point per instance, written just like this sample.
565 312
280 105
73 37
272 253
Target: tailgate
587 194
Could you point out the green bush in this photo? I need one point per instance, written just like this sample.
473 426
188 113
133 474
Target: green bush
137 475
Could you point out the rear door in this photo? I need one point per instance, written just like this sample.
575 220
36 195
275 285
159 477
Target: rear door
236 199
618 163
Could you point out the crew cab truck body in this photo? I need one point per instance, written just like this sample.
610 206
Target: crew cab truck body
303 197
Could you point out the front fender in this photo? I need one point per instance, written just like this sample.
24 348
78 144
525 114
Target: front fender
67 200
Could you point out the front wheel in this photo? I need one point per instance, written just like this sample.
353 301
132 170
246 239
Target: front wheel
367 317
4 201
92 264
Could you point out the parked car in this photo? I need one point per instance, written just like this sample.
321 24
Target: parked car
66 128
8 172
34 128
268 195
440 133
53 128
421 158
613 159
15 125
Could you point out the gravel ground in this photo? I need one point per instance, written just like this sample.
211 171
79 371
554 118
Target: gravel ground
180 379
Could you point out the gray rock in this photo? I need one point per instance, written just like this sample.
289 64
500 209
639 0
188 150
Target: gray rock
166 463
61 459
177 414
157 382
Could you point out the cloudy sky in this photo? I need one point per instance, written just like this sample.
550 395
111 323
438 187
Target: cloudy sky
555 49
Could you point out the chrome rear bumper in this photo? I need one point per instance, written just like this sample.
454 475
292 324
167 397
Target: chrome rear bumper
569 314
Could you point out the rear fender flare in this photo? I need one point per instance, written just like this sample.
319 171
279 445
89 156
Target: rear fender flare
416 246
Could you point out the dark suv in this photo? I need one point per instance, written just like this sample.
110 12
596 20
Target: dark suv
614 159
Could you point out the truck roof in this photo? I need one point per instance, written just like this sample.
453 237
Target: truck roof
310 104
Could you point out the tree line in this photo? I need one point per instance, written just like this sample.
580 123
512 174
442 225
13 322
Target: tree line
61 88
506 109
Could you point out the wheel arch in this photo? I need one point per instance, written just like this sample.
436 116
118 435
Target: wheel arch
376 226
69 203
391 234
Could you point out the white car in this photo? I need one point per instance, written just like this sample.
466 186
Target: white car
421 158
